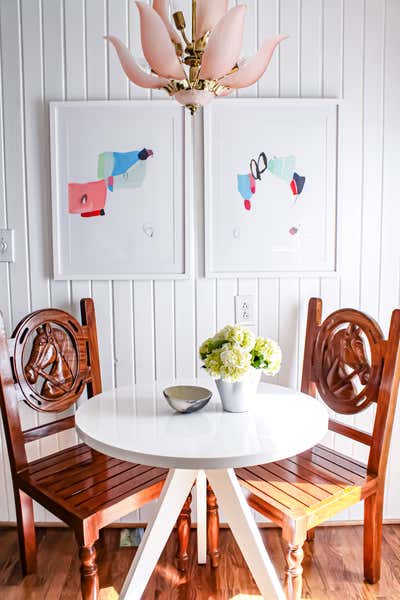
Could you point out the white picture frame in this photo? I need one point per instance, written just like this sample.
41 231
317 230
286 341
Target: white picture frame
143 230
288 225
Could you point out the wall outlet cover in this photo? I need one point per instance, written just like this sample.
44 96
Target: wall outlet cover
245 313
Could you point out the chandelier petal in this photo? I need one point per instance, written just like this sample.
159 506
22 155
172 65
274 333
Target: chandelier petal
224 45
255 67
157 46
208 15
132 69
162 8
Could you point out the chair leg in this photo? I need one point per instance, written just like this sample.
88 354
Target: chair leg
294 571
311 535
183 526
26 532
89 574
212 527
373 509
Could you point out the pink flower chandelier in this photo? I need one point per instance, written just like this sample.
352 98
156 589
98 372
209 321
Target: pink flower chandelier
194 71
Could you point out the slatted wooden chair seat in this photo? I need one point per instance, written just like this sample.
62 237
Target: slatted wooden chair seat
351 365
80 483
306 487
48 363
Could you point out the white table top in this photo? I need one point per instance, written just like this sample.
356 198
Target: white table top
136 424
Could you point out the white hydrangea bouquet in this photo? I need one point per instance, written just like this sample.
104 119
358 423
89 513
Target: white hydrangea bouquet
235 357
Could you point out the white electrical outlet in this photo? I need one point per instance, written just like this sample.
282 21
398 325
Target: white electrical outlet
245 310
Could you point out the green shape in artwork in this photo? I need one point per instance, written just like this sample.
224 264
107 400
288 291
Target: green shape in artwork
282 167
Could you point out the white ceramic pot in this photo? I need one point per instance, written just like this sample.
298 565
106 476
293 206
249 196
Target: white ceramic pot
237 396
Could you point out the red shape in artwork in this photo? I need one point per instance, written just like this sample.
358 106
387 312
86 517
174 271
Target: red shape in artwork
86 198
247 204
94 213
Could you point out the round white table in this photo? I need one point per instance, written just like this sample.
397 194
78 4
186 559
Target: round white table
136 424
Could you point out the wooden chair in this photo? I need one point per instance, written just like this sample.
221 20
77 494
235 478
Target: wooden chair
49 360
351 365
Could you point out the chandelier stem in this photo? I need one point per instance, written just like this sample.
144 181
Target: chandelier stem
194 20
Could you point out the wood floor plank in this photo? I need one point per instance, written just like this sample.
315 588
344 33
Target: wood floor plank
332 568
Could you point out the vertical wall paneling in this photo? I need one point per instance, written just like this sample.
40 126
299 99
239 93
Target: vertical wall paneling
372 155
226 292
332 29
268 27
288 329
76 89
206 315
123 333
38 205
143 331
54 49
75 49
14 154
311 50
185 335
164 327
289 57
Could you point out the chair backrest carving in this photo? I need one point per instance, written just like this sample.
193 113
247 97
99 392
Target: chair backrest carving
48 361
350 364
347 361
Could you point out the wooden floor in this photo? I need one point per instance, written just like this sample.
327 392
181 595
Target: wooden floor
332 564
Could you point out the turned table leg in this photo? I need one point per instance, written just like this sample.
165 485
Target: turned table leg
183 526
212 527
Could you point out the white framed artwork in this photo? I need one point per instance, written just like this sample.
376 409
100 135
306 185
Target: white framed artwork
270 187
120 192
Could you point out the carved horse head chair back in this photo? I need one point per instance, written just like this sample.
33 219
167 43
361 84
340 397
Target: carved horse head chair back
51 359
347 361
350 364
52 347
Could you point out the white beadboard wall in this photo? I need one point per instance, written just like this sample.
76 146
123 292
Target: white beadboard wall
53 50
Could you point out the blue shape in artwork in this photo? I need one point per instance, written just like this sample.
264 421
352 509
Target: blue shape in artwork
124 161
244 186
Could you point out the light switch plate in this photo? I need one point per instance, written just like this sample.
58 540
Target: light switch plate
245 310
7 245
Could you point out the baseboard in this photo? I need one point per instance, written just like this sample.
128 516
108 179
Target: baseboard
269 525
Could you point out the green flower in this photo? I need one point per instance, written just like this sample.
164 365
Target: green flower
236 361
266 355
213 364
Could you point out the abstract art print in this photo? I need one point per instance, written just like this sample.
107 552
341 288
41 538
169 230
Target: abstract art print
270 193
119 192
